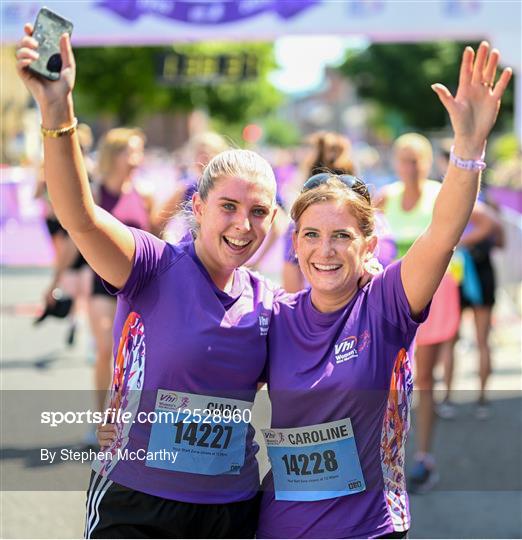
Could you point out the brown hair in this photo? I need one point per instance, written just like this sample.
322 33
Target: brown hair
112 143
334 190
331 153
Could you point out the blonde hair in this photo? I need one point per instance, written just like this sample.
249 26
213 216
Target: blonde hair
416 142
213 142
240 163
335 190
112 144
85 137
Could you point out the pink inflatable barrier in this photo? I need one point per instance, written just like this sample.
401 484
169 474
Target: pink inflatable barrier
24 239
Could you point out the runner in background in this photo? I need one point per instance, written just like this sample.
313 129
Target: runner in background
484 233
408 206
71 274
120 153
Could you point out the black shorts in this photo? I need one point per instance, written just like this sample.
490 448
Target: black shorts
78 263
395 535
98 288
54 227
114 511
486 278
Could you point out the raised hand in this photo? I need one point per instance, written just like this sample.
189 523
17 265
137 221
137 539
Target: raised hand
47 93
474 109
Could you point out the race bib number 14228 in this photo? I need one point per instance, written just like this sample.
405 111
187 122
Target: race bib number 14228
316 462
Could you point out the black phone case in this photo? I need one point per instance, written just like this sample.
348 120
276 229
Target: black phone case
48 28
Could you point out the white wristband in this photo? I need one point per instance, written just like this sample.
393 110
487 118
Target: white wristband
467 164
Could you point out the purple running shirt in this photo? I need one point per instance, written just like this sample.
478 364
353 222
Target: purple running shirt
178 336
326 367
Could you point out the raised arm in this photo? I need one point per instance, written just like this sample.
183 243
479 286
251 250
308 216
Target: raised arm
472 113
106 244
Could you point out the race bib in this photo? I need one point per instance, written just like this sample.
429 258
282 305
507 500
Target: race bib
313 463
200 434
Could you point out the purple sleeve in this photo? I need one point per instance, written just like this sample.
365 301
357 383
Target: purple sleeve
386 294
150 258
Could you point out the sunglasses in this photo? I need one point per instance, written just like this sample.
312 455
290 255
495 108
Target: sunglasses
351 182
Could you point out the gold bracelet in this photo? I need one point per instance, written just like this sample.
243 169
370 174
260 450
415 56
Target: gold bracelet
60 132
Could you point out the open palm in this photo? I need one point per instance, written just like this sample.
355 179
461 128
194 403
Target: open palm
474 109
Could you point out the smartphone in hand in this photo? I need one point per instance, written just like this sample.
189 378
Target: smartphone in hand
48 28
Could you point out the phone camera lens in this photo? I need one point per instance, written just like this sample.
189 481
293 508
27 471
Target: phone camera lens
55 63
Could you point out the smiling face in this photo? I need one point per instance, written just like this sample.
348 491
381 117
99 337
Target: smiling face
331 250
233 221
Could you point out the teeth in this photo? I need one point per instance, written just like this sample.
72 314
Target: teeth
238 243
326 267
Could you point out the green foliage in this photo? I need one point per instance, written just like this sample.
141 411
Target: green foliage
399 76
278 132
123 81
505 147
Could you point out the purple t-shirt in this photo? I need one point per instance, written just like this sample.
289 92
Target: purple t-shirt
174 330
354 364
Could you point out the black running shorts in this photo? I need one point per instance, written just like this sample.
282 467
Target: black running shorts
114 511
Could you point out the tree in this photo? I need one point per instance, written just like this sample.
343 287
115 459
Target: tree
279 132
123 81
399 76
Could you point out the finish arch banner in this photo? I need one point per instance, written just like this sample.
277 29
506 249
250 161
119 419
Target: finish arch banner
135 22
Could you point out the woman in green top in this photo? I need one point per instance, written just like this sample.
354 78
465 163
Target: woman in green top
408 207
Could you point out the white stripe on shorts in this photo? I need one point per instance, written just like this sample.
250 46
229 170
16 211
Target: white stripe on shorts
93 516
92 489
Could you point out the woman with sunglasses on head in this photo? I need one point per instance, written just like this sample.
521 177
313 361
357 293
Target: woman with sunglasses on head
339 374
329 151
190 330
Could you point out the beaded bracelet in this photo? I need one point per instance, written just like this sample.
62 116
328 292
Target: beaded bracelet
467 164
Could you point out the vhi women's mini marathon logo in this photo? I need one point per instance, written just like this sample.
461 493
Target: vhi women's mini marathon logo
346 350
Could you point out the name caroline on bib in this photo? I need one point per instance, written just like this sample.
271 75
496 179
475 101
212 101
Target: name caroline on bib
318 436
